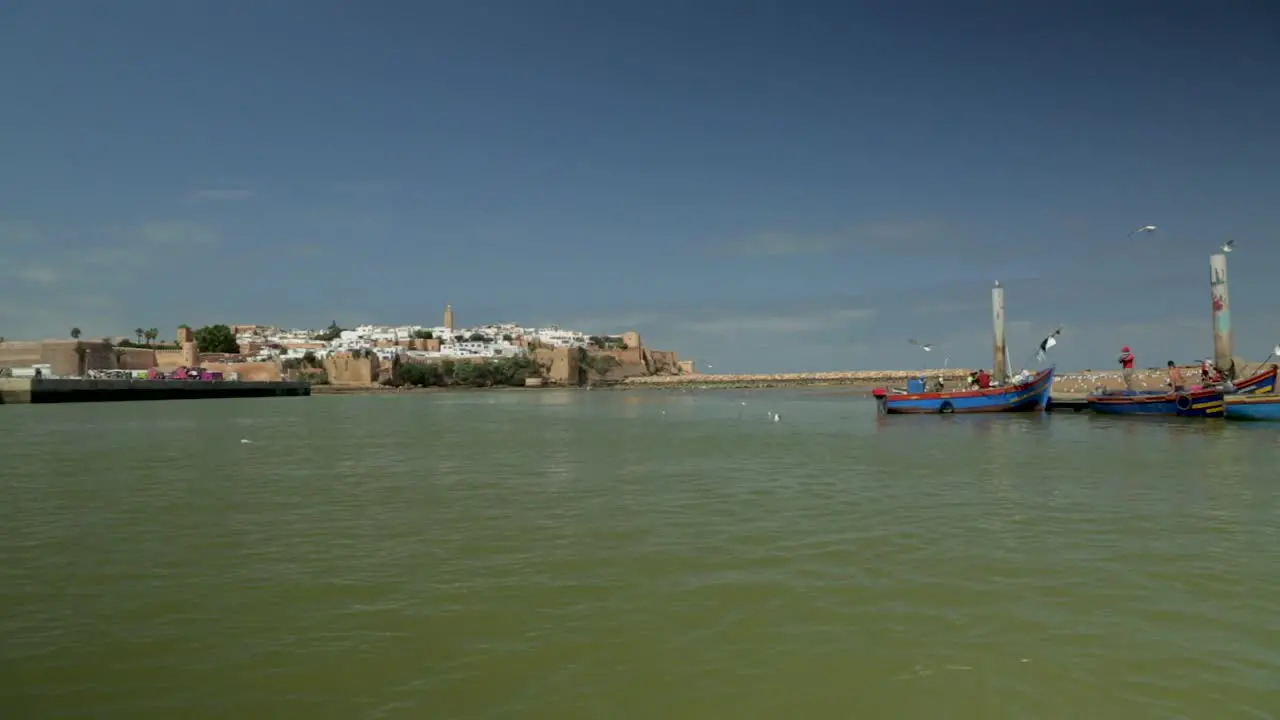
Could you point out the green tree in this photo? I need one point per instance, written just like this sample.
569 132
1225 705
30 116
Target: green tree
475 374
138 332
151 335
216 339
600 365
333 332
514 370
416 374
185 326
447 368
477 337
75 333
423 334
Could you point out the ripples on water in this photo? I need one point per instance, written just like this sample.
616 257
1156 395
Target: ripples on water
632 555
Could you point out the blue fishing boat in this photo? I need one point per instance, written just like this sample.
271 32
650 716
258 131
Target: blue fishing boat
1204 403
1029 396
1246 407
1260 384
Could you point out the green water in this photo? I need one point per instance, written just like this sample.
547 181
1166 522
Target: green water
560 555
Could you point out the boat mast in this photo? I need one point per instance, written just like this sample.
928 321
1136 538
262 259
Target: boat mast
1000 354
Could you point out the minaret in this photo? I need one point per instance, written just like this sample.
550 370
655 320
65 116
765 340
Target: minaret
448 317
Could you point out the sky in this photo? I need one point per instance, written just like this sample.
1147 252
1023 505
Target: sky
760 186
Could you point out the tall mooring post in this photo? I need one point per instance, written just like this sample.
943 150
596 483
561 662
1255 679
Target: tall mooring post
1223 348
997 321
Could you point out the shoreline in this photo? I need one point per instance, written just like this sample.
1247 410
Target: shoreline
1066 383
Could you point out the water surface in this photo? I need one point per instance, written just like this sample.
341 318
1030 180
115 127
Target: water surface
560 554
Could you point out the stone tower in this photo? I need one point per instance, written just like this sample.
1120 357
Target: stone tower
448 317
190 352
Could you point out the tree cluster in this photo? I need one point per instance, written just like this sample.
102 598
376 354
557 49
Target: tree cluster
331 333
607 342
216 339
598 364
508 371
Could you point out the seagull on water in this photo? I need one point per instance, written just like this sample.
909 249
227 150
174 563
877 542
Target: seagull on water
1143 229
927 347
1229 246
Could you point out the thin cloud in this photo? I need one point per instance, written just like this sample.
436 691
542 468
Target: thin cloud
38 275
144 244
889 235
788 324
220 195
611 324
946 308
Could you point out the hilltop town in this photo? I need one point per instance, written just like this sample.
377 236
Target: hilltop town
501 353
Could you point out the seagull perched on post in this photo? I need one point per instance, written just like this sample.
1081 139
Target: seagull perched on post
927 347
1228 247
1143 229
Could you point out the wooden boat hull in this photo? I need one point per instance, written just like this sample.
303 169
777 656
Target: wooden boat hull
1030 396
1261 384
1205 403
1266 407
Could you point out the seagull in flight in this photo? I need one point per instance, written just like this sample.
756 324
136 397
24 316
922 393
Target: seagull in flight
1229 246
1143 229
927 347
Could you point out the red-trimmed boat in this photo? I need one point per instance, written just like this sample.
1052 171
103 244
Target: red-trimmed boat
1263 382
1200 403
1029 396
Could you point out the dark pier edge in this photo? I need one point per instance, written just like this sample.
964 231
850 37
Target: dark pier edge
15 391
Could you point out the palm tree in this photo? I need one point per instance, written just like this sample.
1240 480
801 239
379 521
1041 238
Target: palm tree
151 335
138 332
75 333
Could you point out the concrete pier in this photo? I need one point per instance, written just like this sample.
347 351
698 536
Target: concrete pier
19 391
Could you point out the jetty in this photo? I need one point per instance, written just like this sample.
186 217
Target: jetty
23 391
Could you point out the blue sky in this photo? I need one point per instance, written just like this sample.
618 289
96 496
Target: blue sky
759 185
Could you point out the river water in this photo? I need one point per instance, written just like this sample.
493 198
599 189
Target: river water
656 554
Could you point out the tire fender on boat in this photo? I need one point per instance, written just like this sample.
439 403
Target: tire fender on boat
947 408
1183 401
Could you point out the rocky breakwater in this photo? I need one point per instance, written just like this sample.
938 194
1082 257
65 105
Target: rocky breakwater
862 378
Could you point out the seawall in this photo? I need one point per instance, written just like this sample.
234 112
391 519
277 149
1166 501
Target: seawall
17 391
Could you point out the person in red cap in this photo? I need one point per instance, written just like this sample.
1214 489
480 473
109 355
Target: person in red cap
1126 366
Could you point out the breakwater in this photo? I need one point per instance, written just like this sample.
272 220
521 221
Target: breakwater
20 391
844 377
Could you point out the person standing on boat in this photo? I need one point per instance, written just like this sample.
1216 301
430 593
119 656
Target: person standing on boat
1175 378
1126 366
1209 373
983 380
